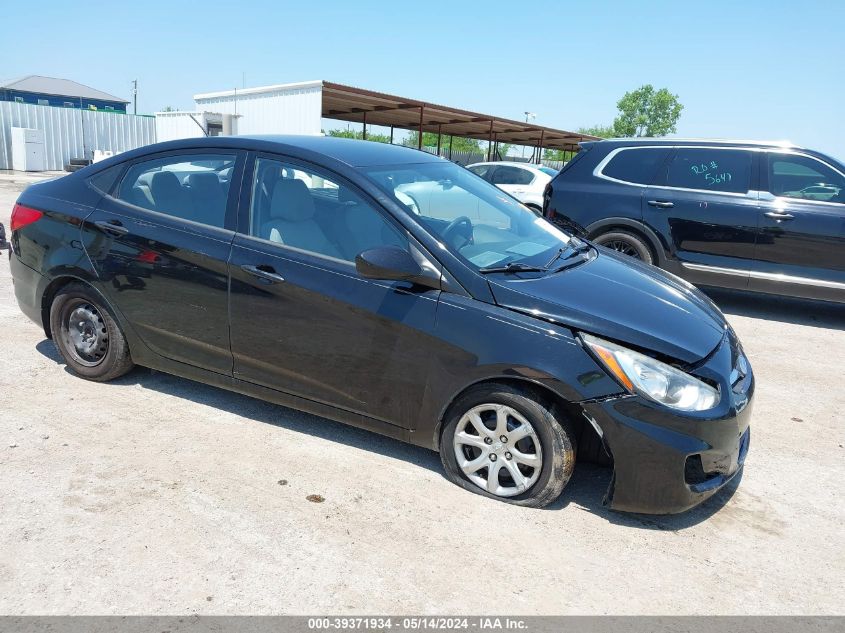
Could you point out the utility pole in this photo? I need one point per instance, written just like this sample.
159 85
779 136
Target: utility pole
528 115
135 96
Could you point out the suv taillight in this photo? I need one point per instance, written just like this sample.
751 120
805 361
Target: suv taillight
23 216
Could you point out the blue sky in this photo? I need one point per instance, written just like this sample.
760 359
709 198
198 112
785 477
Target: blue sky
758 70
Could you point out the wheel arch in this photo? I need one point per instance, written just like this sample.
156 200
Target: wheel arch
53 288
585 433
652 240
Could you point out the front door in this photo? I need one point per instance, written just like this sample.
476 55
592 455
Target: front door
704 200
160 243
303 321
801 248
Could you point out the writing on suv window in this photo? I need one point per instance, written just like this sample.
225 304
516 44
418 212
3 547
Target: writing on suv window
710 173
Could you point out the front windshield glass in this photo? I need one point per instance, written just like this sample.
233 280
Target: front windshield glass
475 220
549 171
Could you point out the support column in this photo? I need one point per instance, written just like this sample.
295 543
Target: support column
419 140
364 135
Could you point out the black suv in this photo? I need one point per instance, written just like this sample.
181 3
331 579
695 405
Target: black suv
754 216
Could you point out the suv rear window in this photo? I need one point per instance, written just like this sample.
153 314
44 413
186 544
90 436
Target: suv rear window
636 165
710 169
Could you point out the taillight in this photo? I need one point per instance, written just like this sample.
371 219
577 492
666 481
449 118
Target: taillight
23 216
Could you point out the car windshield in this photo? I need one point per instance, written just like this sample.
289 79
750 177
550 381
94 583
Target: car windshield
475 220
549 171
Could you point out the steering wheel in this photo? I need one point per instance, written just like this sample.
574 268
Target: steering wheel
460 226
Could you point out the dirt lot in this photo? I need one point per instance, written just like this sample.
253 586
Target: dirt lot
157 495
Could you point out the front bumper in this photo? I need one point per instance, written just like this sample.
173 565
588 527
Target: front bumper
666 461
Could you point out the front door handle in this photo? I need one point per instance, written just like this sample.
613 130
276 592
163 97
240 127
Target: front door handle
115 227
776 215
661 204
264 272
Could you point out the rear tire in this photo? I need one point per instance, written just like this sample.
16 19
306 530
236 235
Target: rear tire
470 454
87 335
627 244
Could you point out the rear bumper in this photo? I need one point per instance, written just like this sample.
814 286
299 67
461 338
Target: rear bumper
29 285
667 462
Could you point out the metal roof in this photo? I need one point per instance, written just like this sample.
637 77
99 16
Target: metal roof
57 87
348 103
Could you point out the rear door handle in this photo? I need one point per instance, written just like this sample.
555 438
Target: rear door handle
661 204
775 215
263 272
115 227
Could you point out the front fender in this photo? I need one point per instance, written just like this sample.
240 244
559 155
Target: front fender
478 342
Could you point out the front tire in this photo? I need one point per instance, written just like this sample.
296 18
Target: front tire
627 244
508 444
87 335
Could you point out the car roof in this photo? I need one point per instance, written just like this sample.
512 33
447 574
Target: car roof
351 152
722 142
514 163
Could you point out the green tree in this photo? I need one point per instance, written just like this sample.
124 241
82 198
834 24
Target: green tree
558 154
359 134
647 112
459 143
602 131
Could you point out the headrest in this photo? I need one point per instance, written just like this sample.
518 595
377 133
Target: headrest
203 182
165 183
291 201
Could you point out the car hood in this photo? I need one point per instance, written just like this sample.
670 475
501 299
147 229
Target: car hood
617 297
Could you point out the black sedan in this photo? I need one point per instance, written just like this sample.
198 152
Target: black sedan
393 290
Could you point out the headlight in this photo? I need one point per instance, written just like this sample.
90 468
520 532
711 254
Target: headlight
655 380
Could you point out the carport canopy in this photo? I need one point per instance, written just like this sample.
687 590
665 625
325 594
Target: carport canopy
347 103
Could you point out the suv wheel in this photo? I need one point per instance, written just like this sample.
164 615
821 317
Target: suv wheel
503 443
627 244
87 335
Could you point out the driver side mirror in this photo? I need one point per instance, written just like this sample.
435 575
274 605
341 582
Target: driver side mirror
388 263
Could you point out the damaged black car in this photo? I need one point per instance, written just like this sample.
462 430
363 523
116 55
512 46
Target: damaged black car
395 291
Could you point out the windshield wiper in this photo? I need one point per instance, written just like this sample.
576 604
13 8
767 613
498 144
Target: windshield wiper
513 267
574 247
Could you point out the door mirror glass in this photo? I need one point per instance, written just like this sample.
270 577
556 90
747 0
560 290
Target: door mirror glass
387 263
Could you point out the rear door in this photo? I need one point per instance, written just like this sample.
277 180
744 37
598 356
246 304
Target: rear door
801 248
704 201
160 242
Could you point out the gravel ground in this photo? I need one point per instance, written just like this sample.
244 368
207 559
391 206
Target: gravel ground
158 495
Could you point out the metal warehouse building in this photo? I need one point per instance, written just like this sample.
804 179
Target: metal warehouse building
62 93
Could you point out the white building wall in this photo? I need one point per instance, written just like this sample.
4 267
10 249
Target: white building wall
73 133
280 109
175 125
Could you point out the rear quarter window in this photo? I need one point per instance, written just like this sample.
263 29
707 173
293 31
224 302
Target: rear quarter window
724 170
636 165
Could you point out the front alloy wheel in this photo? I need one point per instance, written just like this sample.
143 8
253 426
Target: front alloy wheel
508 443
498 449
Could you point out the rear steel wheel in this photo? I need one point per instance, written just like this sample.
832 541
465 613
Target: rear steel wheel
88 338
87 335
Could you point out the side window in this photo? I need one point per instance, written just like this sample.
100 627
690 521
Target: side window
507 175
308 211
187 186
104 181
794 176
711 169
481 170
636 165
